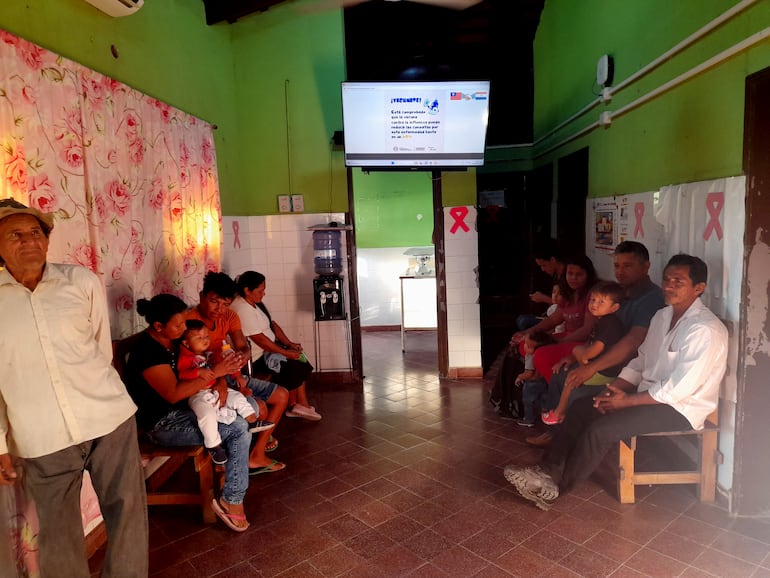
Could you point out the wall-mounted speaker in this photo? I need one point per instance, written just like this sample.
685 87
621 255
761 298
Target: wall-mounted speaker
338 140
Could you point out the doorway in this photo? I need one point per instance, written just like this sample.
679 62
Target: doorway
394 225
572 191
514 211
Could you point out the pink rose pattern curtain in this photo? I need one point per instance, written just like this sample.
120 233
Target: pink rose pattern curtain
132 183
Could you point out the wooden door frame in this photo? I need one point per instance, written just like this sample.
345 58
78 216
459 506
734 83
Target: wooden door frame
750 465
356 350
442 334
353 297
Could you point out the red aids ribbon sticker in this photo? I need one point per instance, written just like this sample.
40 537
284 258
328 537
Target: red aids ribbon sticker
237 240
493 213
639 213
714 204
459 214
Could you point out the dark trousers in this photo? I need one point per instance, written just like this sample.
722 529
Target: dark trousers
293 373
55 480
586 435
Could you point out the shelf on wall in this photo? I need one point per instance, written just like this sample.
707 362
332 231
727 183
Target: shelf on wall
322 227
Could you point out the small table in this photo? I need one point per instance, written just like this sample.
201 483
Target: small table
418 305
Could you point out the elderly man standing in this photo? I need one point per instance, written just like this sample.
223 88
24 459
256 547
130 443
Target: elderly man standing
63 408
672 384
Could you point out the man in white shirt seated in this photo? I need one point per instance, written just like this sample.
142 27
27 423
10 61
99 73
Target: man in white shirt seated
672 384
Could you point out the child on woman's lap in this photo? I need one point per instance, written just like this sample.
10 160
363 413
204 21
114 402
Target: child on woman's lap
603 301
208 408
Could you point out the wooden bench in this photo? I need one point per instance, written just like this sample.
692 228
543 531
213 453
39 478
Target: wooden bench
703 476
162 462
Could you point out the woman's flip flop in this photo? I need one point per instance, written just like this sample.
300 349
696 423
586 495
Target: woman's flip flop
275 466
228 518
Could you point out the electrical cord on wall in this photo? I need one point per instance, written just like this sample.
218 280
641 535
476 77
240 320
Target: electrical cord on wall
331 179
288 132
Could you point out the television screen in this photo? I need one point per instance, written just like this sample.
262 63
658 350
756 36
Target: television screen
415 125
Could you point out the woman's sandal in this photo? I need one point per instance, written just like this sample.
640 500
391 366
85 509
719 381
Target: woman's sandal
228 518
272 444
274 466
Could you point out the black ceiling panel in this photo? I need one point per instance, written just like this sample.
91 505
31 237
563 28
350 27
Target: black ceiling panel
231 10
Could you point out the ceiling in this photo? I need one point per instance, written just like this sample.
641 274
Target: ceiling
231 10
490 40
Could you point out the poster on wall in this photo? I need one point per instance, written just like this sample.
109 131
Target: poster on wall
707 219
605 230
634 221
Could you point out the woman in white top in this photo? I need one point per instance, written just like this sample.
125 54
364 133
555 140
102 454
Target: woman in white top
272 351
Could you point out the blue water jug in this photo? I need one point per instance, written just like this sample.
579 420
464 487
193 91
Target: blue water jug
327 252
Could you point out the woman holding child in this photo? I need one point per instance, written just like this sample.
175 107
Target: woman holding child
162 399
572 310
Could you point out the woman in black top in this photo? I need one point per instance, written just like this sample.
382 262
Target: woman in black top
164 415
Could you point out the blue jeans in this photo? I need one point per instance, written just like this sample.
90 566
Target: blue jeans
179 427
260 389
531 392
552 396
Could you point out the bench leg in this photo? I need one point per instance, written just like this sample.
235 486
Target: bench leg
204 467
707 488
626 493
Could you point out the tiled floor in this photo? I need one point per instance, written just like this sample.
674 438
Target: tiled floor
404 478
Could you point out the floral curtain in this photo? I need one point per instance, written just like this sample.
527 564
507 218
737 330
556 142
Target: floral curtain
132 183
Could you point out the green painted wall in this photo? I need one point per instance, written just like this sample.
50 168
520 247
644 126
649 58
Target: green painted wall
387 205
288 64
165 50
690 133
270 82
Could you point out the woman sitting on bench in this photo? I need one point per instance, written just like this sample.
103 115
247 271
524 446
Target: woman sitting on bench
272 352
164 414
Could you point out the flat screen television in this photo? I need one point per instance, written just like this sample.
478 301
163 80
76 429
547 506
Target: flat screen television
404 125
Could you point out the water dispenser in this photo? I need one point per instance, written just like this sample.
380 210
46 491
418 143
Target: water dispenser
328 298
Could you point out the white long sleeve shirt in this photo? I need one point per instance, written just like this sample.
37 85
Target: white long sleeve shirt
682 367
57 384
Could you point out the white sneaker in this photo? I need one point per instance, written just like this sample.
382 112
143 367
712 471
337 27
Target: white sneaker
533 484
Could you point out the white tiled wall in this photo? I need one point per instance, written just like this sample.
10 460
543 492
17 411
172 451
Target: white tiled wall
461 258
281 248
379 287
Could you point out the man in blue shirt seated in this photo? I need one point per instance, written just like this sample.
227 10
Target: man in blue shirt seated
641 300
672 384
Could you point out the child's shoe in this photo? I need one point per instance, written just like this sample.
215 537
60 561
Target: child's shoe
218 455
260 425
550 418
